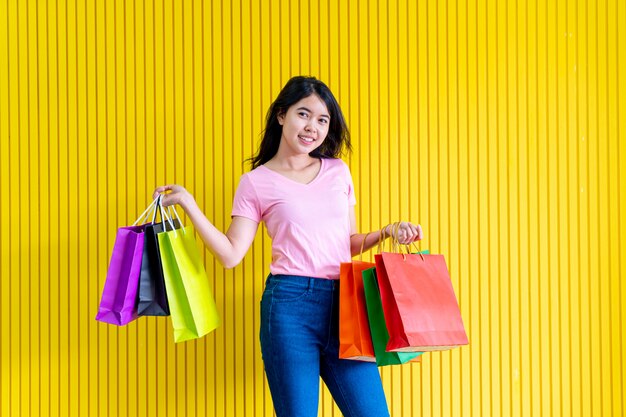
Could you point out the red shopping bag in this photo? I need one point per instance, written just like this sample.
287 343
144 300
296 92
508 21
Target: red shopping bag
421 309
355 340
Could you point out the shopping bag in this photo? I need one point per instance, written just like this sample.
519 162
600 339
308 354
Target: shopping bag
117 304
152 295
119 296
192 307
355 340
378 328
420 307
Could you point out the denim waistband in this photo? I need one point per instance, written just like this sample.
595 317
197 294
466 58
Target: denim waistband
305 282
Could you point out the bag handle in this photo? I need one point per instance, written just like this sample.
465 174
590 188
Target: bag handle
155 209
419 250
382 236
169 210
396 245
151 206
407 246
169 218
381 239
363 245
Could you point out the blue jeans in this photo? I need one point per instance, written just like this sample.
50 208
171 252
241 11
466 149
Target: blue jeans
300 343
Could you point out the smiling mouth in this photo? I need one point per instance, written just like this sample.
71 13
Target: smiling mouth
306 139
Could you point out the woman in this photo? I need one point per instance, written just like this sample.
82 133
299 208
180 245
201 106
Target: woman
305 196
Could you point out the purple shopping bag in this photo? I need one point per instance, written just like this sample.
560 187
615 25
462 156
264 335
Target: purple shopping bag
118 302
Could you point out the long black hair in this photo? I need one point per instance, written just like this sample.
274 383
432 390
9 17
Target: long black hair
295 90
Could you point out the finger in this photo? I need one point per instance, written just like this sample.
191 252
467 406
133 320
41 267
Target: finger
414 232
160 190
420 233
407 233
156 192
168 200
403 235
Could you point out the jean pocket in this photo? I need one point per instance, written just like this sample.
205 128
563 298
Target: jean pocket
285 291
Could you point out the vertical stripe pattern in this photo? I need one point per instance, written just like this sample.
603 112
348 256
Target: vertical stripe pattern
496 125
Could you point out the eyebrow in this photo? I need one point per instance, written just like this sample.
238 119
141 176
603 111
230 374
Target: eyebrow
304 108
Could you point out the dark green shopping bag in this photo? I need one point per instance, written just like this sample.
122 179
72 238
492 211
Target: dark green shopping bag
378 328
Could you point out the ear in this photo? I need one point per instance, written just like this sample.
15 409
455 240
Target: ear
281 117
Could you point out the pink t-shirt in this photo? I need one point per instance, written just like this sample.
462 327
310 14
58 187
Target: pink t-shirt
309 223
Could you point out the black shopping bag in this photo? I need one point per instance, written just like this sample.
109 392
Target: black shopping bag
151 294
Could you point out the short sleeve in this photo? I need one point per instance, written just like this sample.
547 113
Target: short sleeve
351 195
246 202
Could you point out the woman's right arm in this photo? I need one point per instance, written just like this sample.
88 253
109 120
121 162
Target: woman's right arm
229 248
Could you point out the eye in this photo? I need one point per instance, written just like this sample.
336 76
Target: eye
303 114
324 121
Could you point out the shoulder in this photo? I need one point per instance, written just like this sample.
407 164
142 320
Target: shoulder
254 176
256 183
248 182
338 165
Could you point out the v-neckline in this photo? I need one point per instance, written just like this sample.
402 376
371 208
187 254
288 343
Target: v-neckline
298 182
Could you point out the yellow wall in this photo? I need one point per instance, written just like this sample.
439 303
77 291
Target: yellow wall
497 125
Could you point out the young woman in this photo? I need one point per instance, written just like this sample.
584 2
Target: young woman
305 196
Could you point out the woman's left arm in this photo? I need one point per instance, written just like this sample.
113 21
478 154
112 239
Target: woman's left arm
405 233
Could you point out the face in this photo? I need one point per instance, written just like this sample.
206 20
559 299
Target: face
305 125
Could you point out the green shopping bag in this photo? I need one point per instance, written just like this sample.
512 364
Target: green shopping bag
191 302
378 328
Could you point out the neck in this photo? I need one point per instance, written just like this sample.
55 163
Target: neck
291 162
295 163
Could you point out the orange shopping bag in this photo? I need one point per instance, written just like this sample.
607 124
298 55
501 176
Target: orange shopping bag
355 340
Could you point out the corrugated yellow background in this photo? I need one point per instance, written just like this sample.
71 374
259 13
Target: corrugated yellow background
497 125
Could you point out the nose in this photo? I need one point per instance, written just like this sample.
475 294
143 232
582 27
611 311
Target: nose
309 126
